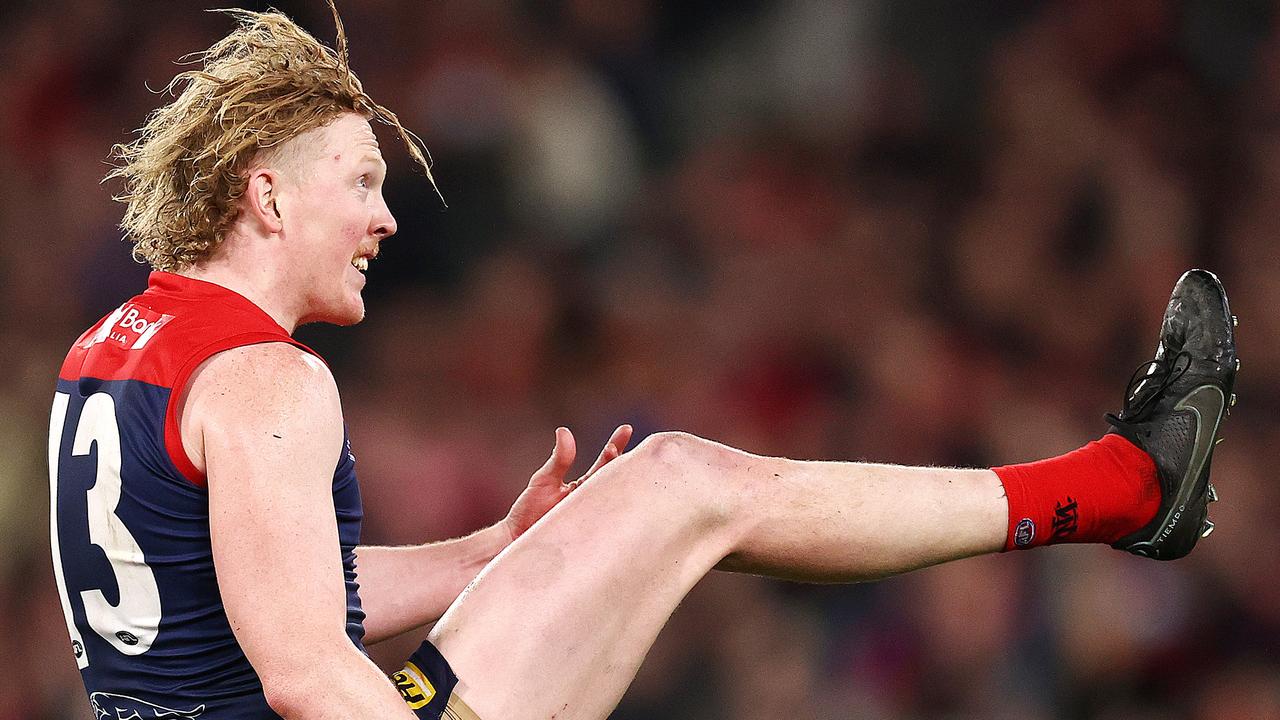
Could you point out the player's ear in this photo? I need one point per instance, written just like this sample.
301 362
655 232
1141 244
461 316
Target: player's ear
262 199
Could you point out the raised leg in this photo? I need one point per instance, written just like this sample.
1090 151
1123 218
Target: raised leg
558 624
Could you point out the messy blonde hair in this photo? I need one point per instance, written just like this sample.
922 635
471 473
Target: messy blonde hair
266 82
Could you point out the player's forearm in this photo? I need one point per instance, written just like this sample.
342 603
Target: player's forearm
345 685
402 588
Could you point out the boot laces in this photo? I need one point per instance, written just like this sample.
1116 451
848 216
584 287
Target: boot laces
1147 384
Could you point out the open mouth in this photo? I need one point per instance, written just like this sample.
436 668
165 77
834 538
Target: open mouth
360 261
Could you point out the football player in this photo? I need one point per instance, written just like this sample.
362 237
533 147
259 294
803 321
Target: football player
206 515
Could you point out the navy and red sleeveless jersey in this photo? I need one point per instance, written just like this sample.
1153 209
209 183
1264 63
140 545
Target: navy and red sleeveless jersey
129 525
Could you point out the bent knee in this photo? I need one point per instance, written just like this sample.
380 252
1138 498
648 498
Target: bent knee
706 471
685 450
670 447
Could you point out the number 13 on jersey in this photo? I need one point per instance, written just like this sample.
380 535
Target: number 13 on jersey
80 491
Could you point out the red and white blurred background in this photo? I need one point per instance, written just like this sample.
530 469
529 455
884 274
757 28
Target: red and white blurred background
898 230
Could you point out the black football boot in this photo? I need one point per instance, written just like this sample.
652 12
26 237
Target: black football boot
1173 409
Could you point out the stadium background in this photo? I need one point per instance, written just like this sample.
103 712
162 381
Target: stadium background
910 231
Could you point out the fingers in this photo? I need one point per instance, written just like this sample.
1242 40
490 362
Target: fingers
612 449
621 437
565 450
607 453
562 456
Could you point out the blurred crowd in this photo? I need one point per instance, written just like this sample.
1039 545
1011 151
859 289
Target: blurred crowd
910 231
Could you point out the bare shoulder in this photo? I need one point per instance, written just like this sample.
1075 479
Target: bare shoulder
266 373
250 395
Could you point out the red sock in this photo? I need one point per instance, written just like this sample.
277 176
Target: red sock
1099 493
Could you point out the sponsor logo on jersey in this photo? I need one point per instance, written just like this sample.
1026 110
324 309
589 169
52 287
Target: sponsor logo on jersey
109 706
1024 533
414 686
131 326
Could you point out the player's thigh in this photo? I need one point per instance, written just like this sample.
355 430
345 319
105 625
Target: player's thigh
559 622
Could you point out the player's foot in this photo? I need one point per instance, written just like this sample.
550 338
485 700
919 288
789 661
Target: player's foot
1173 409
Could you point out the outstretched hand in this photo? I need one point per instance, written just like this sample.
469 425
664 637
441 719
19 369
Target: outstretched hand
547 486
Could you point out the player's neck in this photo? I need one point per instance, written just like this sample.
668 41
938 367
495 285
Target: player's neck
255 281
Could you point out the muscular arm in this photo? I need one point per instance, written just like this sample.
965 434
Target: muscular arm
265 423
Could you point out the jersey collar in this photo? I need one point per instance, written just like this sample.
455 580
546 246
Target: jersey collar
181 286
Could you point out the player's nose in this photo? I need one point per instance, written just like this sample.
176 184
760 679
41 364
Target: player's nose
384 224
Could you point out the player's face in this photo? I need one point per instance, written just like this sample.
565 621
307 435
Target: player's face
339 218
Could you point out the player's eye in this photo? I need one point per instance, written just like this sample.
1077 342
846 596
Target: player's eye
363 181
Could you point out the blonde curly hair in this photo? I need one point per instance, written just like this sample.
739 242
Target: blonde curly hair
264 83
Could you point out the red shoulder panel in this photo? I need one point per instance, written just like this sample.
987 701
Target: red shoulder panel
161 336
